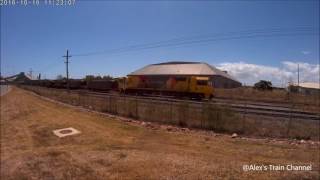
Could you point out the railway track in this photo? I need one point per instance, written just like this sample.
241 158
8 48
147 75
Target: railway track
246 107
264 109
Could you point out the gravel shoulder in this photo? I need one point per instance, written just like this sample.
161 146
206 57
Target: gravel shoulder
4 89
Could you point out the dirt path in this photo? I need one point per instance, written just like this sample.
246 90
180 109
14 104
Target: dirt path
4 89
109 148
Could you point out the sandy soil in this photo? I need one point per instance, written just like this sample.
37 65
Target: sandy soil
109 148
4 89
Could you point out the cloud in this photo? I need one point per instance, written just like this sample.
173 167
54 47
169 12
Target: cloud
249 74
305 52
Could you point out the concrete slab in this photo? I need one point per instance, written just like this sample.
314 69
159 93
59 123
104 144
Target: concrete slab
65 132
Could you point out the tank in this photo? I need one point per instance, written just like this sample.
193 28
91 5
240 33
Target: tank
101 85
76 83
59 84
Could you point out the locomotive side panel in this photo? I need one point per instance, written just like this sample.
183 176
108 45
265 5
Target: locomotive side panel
191 86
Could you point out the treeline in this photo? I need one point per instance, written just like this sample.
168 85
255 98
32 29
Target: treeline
89 77
92 77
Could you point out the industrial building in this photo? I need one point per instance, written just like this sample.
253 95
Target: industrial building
307 88
18 78
219 78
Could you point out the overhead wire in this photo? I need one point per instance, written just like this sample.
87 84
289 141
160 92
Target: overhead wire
208 38
272 32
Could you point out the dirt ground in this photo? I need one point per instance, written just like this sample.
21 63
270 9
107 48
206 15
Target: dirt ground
109 148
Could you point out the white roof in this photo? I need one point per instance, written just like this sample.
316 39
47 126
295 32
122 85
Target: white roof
310 85
21 75
181 68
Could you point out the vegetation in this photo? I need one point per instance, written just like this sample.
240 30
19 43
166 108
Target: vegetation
263 85
59 77
92 77
109 148
213 117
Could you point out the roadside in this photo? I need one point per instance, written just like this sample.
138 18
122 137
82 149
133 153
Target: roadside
4 89
109 148
252 121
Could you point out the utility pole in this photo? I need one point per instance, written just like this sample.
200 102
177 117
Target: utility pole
298 76
30 72
67 67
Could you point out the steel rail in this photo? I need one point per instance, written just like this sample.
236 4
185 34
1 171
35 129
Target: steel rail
249 108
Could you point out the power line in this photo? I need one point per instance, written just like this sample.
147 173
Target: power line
298 76
202 36
187 41
211 40
48 67
272 32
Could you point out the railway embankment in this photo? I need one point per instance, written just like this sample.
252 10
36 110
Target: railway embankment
4 89
109 148
244 119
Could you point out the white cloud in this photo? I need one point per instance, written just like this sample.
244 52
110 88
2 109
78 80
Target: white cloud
305 52
252 73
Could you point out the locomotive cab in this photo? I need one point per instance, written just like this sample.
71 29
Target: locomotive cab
202 86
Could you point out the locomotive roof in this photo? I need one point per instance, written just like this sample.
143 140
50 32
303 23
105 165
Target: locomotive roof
181 68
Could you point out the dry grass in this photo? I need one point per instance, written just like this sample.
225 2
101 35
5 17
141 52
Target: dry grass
112 149
206 116
304 102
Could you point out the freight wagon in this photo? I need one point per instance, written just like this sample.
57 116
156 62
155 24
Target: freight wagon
102 85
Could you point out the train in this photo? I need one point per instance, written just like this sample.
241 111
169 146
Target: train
196 87
94 85
178 86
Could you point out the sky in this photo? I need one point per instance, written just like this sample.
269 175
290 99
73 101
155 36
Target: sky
102 37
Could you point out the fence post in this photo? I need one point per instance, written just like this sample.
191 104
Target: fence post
137 116
290 100
203 112
116 104
171 115
106 107
110 104
125 108
186 114
244 116
217 119
90 102
79 99
289 122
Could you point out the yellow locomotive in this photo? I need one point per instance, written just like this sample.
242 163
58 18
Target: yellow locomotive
179 86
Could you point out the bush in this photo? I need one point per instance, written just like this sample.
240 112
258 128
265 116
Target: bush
263 85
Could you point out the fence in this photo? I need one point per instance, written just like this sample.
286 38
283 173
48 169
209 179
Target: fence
206 115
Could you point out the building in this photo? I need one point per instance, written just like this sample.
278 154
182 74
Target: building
307 88
18 78
219 78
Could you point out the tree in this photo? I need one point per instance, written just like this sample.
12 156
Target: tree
263 85
98 77
108 77
89 77
59 77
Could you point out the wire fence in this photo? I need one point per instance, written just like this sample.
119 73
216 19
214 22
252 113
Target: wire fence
209 116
